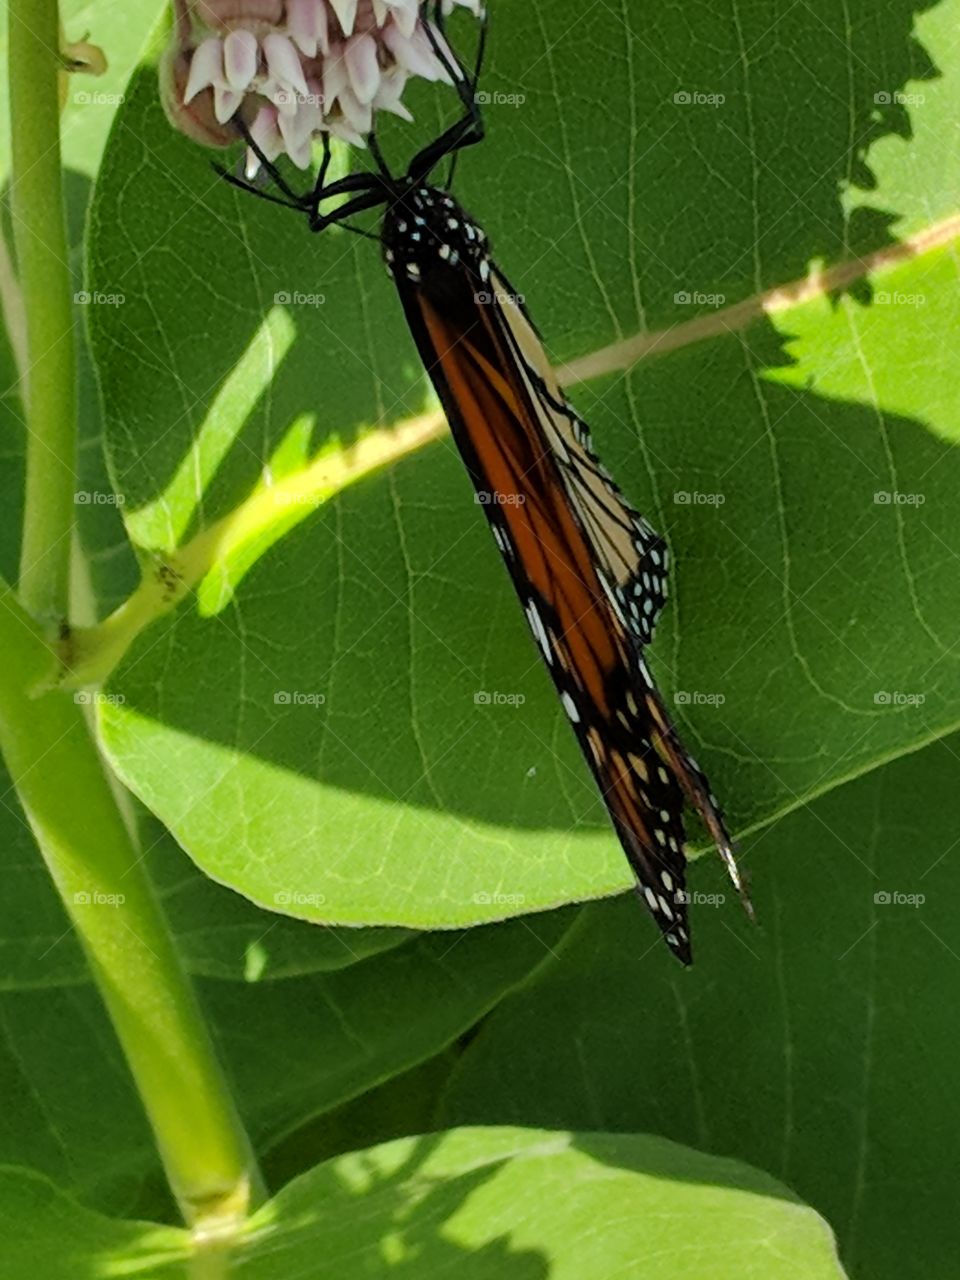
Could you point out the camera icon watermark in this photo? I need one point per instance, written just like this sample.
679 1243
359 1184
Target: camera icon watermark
697 698
483 98
93 698
895 698
688 498
697 298
693 98
894 498
297 898
496 698
886 98
98 498
296 298
692 898
98 298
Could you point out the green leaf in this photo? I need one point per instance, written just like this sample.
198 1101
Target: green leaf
309 1019
307 725
490 1203
820 1046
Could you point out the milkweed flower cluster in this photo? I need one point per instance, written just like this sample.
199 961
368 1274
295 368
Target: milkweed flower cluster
292 69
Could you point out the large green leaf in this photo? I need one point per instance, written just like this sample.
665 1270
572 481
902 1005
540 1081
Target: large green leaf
820 1047
306 1018
490 1203
308 724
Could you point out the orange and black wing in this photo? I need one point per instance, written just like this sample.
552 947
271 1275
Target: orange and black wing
589 571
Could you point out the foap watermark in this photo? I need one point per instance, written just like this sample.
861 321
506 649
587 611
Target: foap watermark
696 298
894 498
98 498
895 698
94 898
698 698
297 499
497 698
886 98
692 898
694 98
296 898
298 698
498 899
496 99
291 98
92 698
895 898
98 298
693 498
898 298
494 498
96 98
284 298
486 298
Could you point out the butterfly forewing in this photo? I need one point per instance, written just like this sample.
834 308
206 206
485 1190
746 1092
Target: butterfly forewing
590 572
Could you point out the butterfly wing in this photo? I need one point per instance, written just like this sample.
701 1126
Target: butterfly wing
589 571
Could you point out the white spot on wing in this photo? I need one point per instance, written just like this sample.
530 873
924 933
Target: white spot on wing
570 707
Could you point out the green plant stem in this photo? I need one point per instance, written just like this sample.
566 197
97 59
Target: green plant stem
98 871
43 267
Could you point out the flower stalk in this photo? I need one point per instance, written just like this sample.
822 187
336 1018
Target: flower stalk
99 873
46 742
40 238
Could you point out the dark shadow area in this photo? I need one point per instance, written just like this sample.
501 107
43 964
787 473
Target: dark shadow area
818 1046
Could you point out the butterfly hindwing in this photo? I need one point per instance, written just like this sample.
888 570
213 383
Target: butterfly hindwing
589 571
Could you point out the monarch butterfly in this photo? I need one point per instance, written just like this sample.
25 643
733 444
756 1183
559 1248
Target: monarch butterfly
590 572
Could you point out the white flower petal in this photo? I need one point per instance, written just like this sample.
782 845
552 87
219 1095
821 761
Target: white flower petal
225 102
283 61
359 115
295 129
239 59
302 153
346 11
340 129
206 67
334 76
362 67
282 97
307 25
415 54
266 135
392 84
405 14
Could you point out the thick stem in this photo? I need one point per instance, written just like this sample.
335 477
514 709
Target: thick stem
97 869
43 267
